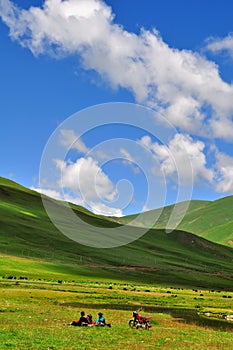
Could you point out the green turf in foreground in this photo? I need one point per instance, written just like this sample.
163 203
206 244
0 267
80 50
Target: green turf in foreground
36 315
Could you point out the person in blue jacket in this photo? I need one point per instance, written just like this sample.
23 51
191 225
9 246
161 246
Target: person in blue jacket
100 321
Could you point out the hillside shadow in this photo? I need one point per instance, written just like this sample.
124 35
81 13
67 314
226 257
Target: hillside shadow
181 315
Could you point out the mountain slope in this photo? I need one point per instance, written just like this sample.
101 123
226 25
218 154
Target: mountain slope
179 258
162 215
210 220
214 221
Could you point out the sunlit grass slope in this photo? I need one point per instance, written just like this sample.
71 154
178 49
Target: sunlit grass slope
178 258
210 220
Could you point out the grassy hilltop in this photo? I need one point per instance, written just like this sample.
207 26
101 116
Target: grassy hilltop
180 257
210 220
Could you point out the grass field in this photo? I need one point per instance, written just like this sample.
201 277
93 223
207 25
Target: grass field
36 315
38 301
184 282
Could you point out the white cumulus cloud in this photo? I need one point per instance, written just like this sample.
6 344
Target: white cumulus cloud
87 178
48 192
172 157
218 45
58 195
224 166
72 141
84 183
102 209
126 156
181 84
129 160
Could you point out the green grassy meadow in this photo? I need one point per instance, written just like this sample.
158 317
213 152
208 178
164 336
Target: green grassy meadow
183 281
37 315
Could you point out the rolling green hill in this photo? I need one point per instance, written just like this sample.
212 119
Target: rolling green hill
162 215
213 222
178 258
210 220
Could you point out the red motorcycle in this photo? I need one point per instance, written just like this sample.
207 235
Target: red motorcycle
139 321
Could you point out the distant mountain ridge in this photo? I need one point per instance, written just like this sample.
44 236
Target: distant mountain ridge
210 220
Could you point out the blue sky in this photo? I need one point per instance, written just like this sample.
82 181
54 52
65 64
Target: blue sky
176 57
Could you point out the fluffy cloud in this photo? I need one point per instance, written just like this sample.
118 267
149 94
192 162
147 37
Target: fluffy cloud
181 84
59 196
97 208
87 178
71 141
128 159
225 173
84 183
171 157
217 45
102 209
48 192
126 156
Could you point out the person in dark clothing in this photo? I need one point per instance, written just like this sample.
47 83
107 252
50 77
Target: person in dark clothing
83 321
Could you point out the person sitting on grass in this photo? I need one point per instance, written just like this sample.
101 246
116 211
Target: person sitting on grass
83 321
101 321
90 321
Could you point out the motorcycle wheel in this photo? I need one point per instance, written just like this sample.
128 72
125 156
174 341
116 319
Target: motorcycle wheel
147 325
132 323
